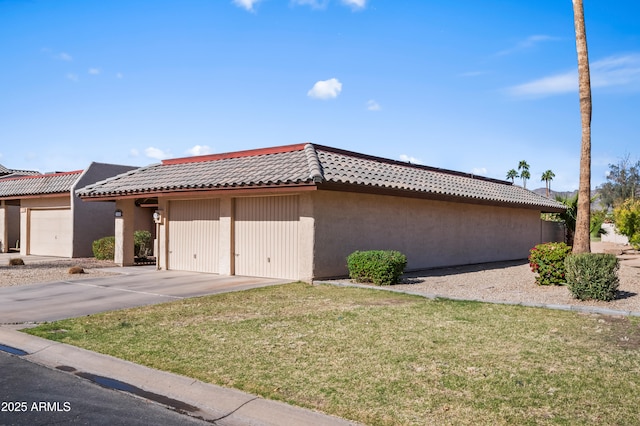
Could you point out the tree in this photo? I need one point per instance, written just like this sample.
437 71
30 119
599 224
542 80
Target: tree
627 218
512 174
622 183
582 243
524 174
569 216
547 177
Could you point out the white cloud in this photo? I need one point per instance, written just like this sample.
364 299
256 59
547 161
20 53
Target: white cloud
72 76
246 4
325 89
479 171
413 160
65 57
94 71
119 75
134 152
199 150
373 105
613 71
156 153
314 4
527 43
355 4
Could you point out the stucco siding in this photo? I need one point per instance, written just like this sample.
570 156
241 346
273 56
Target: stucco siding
95 219
431 233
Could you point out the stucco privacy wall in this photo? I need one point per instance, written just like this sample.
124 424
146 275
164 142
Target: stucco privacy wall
431 233
92 221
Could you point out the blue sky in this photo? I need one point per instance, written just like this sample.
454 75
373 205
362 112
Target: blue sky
474 86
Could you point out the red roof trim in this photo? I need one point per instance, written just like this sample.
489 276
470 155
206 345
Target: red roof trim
75 172
237 154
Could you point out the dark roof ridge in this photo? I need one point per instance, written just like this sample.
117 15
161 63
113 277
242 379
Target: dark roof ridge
407 164
315 168
235 154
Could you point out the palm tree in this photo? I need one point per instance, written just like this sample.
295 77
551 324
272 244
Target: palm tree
582 242
512 174
548 177
524 174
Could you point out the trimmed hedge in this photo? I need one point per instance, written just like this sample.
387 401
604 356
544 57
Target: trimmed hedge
380 267
548 261
592 276
104 248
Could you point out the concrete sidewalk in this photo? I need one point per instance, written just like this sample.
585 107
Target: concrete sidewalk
216 404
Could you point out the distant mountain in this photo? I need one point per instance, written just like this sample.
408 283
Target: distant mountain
553 194
569 194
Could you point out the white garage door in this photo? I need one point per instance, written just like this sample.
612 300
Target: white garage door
266 237
193 235
51 232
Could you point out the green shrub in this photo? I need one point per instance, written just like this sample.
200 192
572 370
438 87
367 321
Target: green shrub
142 243
592 276
104 248
627 219
381 267
548 261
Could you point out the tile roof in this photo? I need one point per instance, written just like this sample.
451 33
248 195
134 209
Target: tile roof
307 164
54 183
5 172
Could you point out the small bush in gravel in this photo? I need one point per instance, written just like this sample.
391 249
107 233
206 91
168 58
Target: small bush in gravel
104 248
16 261
548 261
76 270
592 276
381 267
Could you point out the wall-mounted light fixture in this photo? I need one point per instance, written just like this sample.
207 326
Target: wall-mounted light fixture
157 216
118 213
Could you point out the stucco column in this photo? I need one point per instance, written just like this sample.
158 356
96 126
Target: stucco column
124 228
4 231
25 230
306 238
226 237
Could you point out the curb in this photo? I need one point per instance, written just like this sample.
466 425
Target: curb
216 404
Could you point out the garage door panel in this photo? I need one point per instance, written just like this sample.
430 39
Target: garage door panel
193 235
50 232
266 237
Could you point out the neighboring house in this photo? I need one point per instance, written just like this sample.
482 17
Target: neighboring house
298 211
41 215
5 173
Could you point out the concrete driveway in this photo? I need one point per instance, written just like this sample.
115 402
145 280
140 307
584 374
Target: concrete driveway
135 286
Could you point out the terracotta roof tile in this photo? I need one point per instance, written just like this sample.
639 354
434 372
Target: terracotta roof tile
38 184
310 164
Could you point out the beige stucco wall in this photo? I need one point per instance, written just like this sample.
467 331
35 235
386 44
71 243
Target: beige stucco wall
9 226
431 233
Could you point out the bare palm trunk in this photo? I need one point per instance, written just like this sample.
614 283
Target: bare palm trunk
581 239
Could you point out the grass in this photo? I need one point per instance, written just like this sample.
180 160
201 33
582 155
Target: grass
382 358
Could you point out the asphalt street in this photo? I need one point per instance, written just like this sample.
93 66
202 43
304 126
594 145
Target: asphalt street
31 394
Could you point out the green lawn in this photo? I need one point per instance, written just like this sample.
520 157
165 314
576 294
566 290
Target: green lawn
383 358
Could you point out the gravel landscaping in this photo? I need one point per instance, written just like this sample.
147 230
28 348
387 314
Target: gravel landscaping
513 282
43 271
